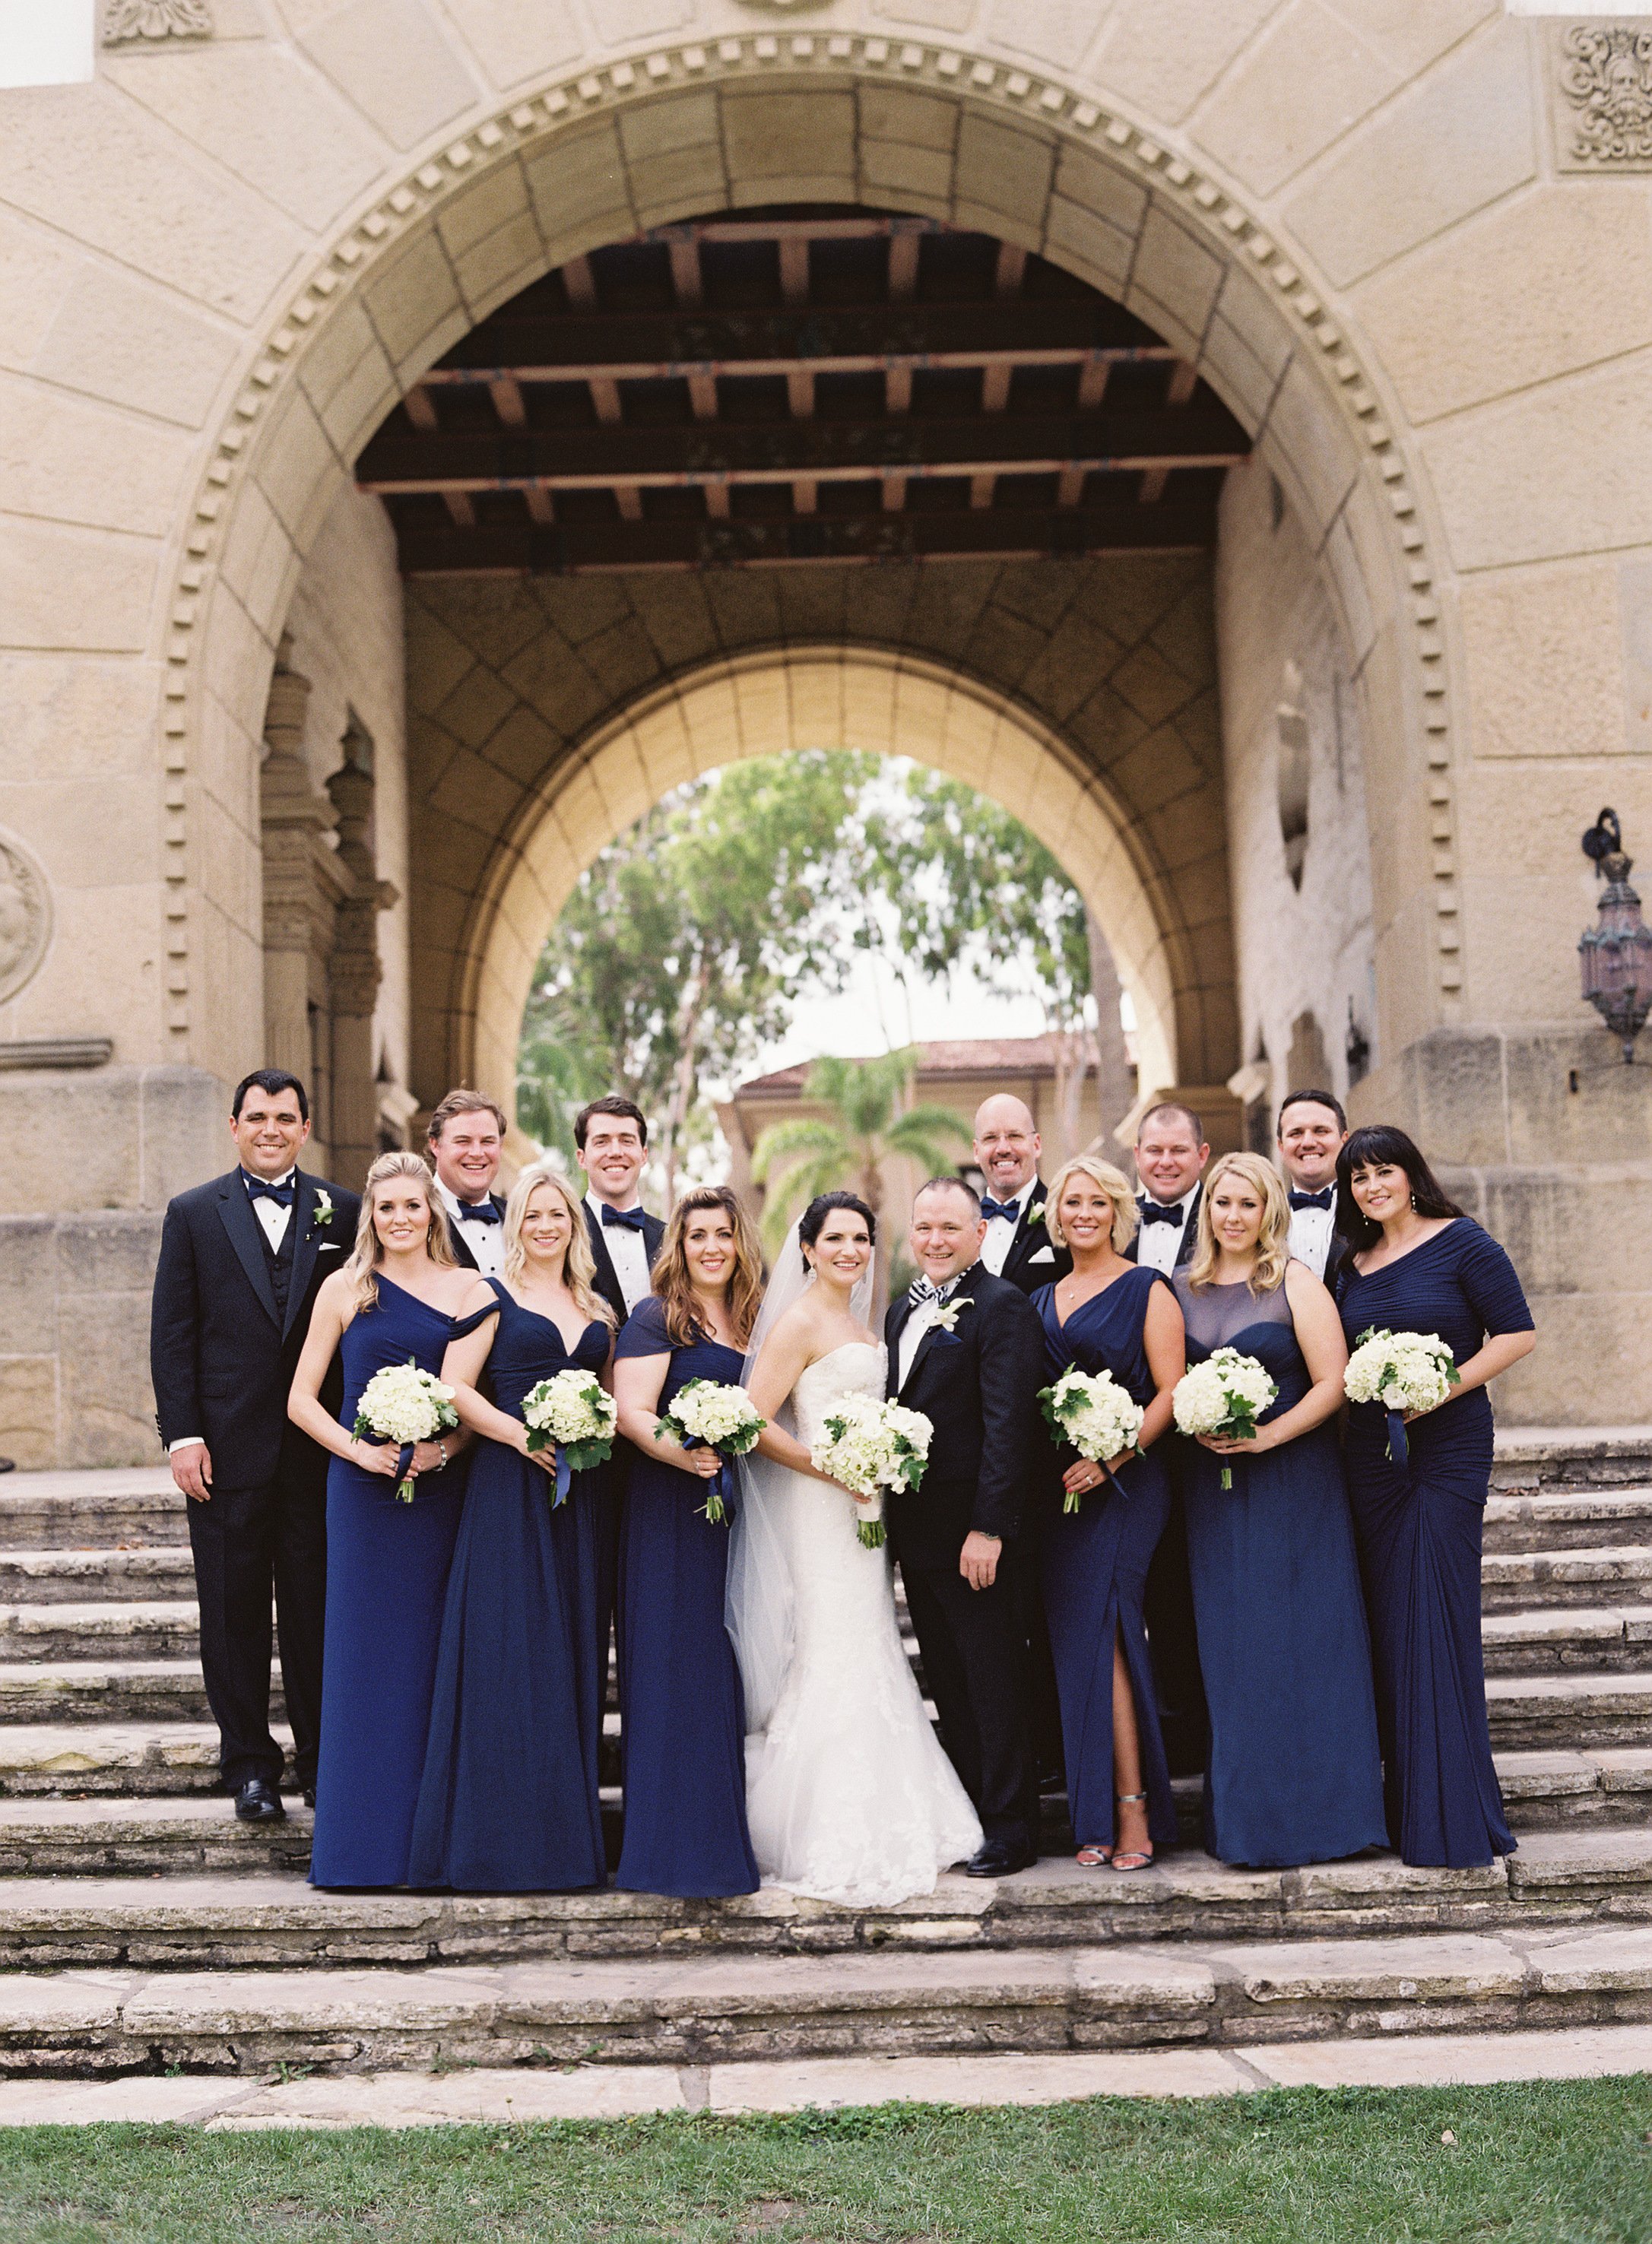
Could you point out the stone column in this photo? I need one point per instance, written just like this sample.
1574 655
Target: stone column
303 880
354 972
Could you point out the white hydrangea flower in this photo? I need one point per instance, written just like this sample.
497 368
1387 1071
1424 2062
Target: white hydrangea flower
1223 1395
403 1404
1403 1371
573 1409
871 1446
1093 1412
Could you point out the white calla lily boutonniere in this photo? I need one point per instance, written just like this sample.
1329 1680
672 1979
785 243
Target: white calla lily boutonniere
947 1318
324 1212
1035 1211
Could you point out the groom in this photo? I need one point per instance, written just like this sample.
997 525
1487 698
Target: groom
967 1350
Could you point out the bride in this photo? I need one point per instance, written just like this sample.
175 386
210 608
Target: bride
848 1795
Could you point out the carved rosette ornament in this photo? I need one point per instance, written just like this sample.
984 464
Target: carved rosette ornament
25 915
155 19
1607 80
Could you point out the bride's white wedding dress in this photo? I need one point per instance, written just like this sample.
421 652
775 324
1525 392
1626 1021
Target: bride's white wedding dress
848 1795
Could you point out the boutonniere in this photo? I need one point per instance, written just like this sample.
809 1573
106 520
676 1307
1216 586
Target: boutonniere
947 1318
1035 1211
323 1214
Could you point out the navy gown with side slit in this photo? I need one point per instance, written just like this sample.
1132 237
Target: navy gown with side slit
387 1570
1419 1528
683 1722
1293 1774
509 1802
1094 1568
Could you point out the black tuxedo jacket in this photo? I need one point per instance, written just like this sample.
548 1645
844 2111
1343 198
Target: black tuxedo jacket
978 1385
1189 1229
456 1231
607 1277
1031 1240
220 1357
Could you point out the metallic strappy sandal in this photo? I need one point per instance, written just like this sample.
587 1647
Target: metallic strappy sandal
1134 1859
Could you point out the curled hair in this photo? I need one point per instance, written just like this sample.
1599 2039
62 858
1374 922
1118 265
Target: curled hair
1273 1239
812 1221
1114 1183
579 1264
1383 1146
362 1268
673 1285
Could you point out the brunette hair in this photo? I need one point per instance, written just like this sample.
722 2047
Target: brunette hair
622 1109
1172 1107
362 1268
465 1102
673 1285
812 1221
1310 1099
272 1081
579 1264
1273 1240
1381 1145
1126 1215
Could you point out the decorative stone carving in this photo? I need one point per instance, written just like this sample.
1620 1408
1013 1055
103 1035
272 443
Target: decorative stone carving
782 5
25 915
155 19
1606 80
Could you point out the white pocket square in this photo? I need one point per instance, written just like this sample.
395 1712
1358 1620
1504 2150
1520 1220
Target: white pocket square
1044 1254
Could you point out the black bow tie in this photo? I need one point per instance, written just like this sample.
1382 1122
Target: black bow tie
281 1194
1153 1210
622 1219
1009 1209
479 1211
1320 1200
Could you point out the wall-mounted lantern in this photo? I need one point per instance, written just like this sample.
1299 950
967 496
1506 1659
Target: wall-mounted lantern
1617 951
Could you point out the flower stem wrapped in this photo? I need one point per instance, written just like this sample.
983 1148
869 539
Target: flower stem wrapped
1406 1373
574 1414
870 1447
1096 1415
706 1413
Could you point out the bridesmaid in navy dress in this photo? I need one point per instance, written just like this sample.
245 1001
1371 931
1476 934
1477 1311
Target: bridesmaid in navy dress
398 1297
1420 1265
1108 1315
682 1719
509 1799
1293 1774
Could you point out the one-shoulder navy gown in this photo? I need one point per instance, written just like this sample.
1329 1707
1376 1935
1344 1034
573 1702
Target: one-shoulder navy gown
1295 1774
387 1570
683 1723
1094 1569
509 1802
1419 1528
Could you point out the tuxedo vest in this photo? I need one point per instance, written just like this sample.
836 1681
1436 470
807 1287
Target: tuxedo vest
278 1260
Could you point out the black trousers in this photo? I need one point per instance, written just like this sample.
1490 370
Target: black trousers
1172 1639
975 1662
247 1542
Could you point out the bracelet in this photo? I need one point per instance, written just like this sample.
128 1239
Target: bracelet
441 1451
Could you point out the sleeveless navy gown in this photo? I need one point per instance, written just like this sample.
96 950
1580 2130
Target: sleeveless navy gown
509 1801
1295 1774
1419 1527
683 1723
1094 1569
387 1570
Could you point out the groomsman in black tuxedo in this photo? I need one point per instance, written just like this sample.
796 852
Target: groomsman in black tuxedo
611 1145
466 1142
1017 1246
1171 1155
1312 1130
241 1261
967 1350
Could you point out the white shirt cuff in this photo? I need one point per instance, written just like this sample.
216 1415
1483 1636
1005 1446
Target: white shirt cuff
186 1442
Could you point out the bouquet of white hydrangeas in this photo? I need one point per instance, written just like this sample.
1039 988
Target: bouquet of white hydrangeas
1404 1372
705 1412
576 1412
1091 1410
1223 1395
406 1406
871 1445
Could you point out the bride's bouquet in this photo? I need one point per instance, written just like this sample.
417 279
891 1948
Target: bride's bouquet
405 1405
706 1413
576 1412
1091 1410
1404 1372
1223 1395
870 1445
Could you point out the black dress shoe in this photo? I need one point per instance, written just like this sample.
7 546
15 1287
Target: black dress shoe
310 1795
259 1803
1000 1858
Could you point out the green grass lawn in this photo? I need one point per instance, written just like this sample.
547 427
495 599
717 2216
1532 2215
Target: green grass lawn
1565 2163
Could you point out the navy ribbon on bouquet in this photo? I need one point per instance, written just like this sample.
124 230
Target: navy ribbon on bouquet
565 1476
721 1483
1399 1447
404 1460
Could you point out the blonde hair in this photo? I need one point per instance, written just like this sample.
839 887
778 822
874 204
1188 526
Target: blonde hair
1273 1240
362 1269
1114 1183
579 1264
674 1286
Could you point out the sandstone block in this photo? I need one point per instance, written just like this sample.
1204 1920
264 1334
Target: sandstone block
429 85
1295 94
1375 1970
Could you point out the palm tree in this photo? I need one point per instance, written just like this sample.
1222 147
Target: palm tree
866 1123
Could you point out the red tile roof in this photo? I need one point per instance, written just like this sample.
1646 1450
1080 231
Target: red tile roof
964 1055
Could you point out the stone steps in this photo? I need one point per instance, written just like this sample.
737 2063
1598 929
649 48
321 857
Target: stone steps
103 1690
716 2010
1530 1457
228 1902
1599 1638
154 1628
1577 1712
71 1510
1523 1581
1567 1519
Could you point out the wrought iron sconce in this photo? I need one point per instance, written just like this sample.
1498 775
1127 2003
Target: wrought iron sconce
1616 953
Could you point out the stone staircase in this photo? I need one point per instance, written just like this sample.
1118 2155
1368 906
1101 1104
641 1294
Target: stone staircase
144 1931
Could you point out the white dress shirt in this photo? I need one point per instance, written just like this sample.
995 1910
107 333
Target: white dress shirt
1159 1244
273 1220
627 1251
919 1323
485 1241
1311 1231
1000 1233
